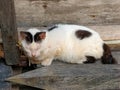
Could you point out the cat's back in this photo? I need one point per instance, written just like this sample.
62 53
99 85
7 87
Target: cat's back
65 30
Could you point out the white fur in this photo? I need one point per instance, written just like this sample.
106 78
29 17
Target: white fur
61 43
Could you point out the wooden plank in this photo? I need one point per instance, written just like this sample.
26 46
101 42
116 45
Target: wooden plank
9 32
63 76
85 12
107 32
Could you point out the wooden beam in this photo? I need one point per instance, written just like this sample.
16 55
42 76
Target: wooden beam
63 76
8 30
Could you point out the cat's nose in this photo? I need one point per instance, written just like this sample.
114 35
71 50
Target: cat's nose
33 55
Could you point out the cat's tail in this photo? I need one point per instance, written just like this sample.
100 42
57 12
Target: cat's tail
107 57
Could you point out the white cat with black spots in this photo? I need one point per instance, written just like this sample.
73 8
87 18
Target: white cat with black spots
69 43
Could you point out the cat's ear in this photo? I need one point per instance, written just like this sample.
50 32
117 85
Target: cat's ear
22 35
42 35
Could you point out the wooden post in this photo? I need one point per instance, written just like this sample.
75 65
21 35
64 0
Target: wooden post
8 30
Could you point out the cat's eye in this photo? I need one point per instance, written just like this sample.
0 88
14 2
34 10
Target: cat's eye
28 39
38 39
39 36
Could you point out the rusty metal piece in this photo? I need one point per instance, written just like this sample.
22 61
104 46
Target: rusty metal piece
62 76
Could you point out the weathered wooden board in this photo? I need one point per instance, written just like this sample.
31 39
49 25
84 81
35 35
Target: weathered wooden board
63 76
108 32
8 30
85 12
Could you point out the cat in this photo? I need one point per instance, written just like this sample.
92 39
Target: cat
67 42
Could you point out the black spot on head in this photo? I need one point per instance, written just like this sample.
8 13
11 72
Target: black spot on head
28 37
53 27
90 59
81 34
38 37
107 57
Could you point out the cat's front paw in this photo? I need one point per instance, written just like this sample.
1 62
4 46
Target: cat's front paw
46 62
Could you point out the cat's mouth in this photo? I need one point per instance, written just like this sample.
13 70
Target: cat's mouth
33 58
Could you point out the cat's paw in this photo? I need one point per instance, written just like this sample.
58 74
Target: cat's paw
46 62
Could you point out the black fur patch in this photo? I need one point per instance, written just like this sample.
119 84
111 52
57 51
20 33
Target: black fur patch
107 57
50 29
28 37
90 59
81 34
37 37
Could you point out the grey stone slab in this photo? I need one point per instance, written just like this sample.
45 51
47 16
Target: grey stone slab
5 72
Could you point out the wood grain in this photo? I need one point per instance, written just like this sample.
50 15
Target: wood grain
85 12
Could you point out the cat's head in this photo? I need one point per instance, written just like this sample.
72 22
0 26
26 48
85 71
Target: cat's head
31 41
